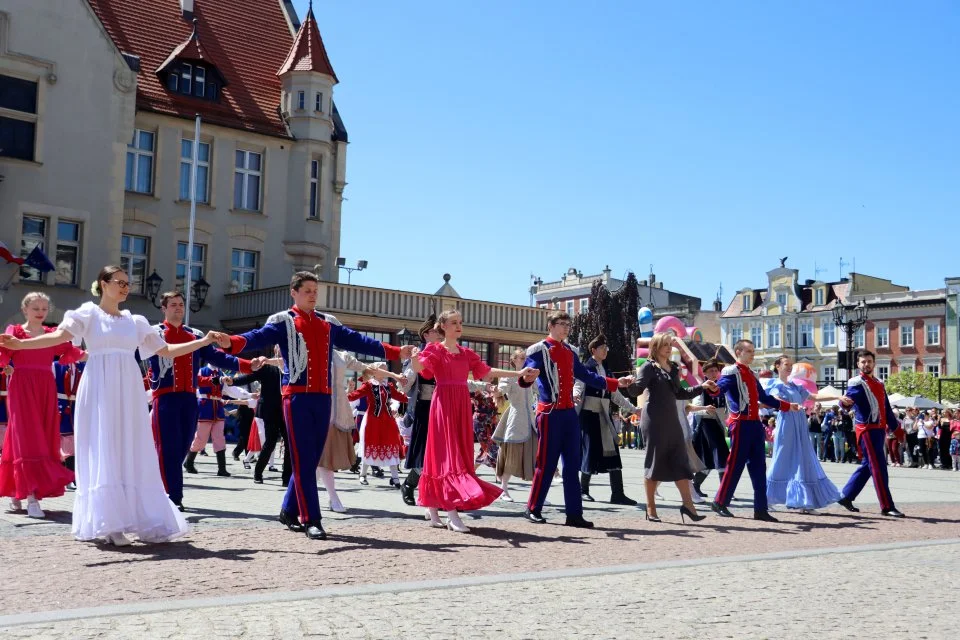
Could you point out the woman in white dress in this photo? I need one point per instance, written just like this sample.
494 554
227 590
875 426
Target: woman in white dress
119 489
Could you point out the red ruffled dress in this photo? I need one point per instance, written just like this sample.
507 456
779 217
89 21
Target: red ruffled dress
31 446
381 435
448 480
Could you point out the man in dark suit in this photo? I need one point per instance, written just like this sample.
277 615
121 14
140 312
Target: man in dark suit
270 410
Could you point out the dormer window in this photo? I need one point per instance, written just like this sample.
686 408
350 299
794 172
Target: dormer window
782 300
191 80
818 295
747 302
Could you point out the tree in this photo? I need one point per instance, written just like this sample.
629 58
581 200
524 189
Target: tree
613 315
912 383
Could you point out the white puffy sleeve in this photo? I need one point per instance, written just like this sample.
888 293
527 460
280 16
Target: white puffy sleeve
77 321
148 340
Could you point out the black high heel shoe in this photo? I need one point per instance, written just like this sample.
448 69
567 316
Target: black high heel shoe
650 518
684 512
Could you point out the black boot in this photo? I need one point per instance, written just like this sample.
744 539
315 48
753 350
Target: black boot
697 481
222 464
188 465
409 485
617 496
70 463
585 487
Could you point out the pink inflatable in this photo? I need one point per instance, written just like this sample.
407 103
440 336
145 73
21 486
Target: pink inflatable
803 374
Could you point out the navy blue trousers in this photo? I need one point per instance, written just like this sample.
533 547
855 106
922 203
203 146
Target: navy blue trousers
307 416
174 427
874 466
559 436
747 439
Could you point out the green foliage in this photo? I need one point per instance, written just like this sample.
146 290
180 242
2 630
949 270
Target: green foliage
912 383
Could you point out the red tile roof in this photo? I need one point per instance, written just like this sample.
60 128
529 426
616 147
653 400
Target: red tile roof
308 52
246 56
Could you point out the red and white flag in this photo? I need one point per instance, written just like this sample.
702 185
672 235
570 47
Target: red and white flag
9 257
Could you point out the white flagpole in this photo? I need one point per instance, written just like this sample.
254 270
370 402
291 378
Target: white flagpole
193 216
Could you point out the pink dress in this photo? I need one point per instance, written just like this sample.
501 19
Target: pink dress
448 480
31 447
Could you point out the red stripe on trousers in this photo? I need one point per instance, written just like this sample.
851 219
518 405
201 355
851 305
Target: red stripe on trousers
731 465
882 492
295 459
155 423
541 461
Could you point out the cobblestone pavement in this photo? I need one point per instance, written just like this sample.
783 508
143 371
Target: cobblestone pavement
835 596
237 549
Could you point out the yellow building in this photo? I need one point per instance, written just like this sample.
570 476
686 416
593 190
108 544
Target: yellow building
796 318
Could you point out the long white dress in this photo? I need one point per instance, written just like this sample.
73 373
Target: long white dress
119 489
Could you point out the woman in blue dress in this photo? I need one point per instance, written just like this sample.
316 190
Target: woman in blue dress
795 477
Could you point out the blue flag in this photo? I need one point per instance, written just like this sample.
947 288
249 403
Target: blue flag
39 261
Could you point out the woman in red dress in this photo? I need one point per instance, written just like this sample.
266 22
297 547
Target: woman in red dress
449 481
30 465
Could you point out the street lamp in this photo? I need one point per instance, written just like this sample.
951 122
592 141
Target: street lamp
198 291
850 317
405 337
342 263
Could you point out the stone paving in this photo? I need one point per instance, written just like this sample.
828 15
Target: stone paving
237 549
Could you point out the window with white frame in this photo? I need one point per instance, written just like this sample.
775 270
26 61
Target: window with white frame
67 261
584 305
906 335
570 310
756 335
379 336
860 338
829 374
883 372
747 302
248 172
504 353
18 118
301 100
933 333
134 260
818 296
788 335
315 169
139 176
736 333
773 335
197 264
203 170
782 299
933 369
828 333
806 334
882 336
33 233
482 349
243 268
318 102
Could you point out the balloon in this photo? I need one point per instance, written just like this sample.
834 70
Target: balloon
645 320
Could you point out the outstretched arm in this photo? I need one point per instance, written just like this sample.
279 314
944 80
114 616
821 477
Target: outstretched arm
52 339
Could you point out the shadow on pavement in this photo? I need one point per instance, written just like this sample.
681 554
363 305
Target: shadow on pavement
184 550
355 543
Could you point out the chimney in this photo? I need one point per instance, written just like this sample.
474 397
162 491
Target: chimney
186 7
808 282
717 305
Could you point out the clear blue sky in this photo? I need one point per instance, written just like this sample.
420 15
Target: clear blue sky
706 138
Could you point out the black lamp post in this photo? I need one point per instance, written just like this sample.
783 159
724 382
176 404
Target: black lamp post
198 291
850 317
154 282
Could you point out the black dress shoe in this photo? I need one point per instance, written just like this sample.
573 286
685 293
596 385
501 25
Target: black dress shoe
764 516
534 516
314 530
578 522
622 499
285 484
180 507
290 521
406 492
586 497
847 504
377 472
257 479
395 483
893 513
720 510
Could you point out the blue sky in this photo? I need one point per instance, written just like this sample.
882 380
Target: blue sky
497 139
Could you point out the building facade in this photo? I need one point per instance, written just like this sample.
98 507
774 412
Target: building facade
907 330
271 161
796 318
952 323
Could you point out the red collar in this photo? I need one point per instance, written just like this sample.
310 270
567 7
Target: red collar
306 315
551 342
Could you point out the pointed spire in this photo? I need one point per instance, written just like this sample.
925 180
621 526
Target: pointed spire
308 52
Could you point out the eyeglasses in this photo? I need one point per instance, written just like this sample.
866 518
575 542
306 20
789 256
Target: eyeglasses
123 284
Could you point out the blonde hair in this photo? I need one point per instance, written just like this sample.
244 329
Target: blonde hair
519 351
443 317
34 295
657 342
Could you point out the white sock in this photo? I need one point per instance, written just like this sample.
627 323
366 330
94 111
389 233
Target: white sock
395 472
505 483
